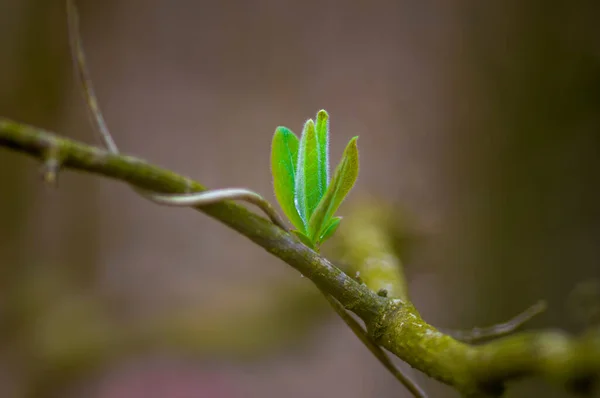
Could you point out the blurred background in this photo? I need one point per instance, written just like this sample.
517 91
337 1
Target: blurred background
478 121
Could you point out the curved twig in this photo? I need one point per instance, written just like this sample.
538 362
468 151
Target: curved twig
215 196
184 200
501 329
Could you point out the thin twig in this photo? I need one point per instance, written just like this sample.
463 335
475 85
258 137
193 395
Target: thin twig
79 64
501 329
218 195
376 350
185 200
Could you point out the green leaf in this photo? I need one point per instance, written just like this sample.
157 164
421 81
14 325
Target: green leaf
342 182
322 128
308 192
304 239
284 155
330 229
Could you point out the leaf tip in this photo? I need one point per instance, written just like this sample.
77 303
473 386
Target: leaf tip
282 130
352 146
322 116
309 125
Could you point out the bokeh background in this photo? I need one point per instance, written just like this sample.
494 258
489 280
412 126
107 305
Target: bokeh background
479 121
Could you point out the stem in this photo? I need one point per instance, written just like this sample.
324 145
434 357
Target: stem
71 154
216 196
501 329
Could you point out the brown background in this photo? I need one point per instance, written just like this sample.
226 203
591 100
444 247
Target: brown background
480 121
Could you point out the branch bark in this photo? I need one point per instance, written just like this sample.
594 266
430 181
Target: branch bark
366 245
392 321
70 154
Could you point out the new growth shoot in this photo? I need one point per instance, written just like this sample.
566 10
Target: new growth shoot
308 197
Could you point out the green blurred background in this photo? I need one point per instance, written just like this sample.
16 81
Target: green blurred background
479 120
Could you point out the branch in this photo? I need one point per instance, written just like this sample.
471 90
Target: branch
392 322
368 249
49 147
477 371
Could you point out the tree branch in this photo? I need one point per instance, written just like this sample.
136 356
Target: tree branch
367 247
70 154
392 322
479 371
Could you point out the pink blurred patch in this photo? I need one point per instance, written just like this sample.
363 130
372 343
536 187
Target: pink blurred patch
166 380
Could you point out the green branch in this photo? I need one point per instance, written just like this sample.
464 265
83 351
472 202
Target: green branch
51 148
367 247
392 322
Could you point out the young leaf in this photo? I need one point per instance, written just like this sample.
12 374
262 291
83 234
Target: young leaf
307 174
342 182
322 128
284 155
330 229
